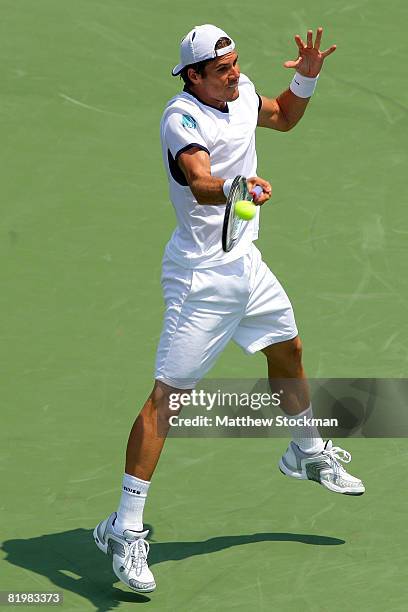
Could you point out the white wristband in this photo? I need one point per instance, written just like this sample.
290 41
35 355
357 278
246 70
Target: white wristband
227 186
302 86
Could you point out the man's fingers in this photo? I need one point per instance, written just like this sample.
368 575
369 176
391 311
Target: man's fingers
309 39
293 63
301 45
318 38
264 197
257 180
267 188
329 51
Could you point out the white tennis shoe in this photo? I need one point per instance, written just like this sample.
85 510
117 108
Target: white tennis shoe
129 554
323 467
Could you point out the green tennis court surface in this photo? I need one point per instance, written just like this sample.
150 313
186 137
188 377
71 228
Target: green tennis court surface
84 219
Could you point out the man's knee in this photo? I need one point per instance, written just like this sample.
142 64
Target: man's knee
285 355
165 394
295 350
166 399
163 402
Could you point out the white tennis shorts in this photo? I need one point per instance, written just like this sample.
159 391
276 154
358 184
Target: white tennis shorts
206 308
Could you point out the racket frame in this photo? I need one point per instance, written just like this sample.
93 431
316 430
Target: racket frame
238 191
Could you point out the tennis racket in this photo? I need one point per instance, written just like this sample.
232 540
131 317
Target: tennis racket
232 226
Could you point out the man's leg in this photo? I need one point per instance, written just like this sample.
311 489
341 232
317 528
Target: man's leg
146 439
145 444
121 534
285 363
285 370
307 457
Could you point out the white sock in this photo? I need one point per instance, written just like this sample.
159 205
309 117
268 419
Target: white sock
306 437
130 511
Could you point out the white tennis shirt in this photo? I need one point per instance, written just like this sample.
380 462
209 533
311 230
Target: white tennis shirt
229 138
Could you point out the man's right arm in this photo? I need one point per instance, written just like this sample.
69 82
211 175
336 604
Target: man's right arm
208 189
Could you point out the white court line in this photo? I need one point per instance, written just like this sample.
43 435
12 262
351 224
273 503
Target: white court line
87 106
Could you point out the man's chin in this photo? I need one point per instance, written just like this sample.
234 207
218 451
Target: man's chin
233 94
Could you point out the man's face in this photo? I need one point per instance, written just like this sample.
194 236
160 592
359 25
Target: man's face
220 79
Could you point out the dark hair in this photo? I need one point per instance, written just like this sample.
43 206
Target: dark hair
199 67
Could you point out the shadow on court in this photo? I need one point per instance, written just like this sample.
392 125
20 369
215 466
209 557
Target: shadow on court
71 561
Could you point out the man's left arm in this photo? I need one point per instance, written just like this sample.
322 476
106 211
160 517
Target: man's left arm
284 112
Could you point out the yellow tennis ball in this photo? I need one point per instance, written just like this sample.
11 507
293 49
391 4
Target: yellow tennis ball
245 210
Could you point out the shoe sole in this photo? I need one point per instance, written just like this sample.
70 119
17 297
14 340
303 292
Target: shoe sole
140 591
299 476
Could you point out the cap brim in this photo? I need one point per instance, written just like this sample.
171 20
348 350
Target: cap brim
177 69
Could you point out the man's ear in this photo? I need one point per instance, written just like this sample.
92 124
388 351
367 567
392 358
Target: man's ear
193 76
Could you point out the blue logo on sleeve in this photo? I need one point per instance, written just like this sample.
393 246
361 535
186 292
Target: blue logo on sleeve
188 122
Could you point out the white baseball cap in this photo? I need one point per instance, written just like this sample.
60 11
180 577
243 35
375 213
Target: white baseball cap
199 45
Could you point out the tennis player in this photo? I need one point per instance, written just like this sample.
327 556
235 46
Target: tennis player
212 297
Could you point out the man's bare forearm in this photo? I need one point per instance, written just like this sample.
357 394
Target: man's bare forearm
292 108
208 189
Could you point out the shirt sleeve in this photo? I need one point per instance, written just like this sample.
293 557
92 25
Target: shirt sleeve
182 132
252 96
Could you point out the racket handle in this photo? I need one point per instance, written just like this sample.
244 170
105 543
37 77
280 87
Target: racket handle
256 191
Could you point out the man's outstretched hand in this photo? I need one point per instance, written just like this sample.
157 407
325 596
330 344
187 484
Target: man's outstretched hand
310 58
